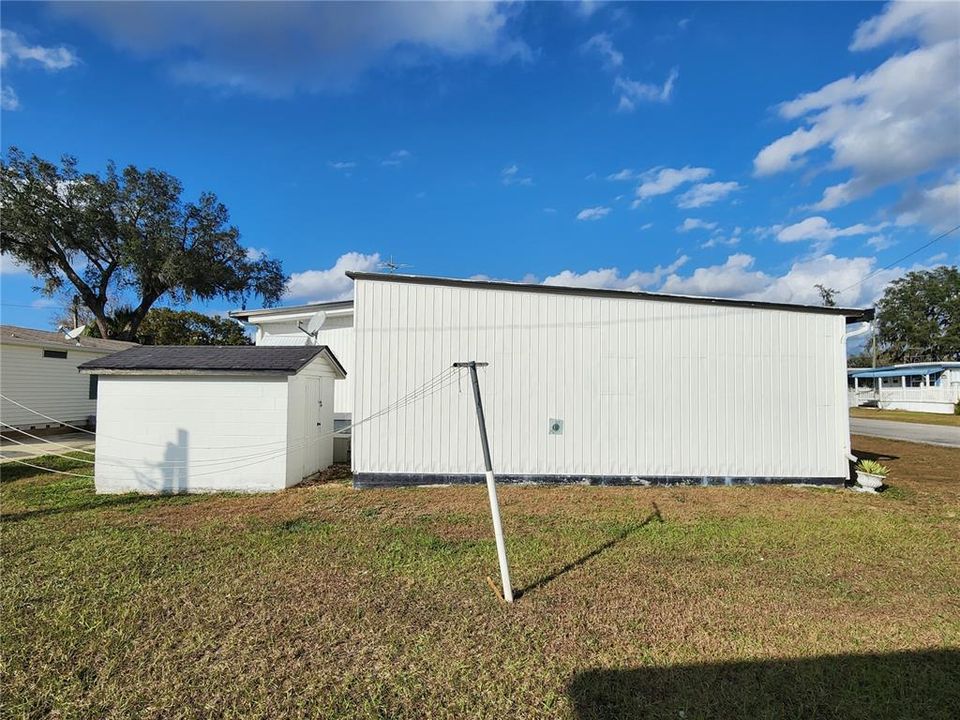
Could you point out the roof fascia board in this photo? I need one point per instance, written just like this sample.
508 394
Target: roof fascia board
852 314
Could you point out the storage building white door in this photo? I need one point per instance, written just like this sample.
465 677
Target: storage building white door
312 426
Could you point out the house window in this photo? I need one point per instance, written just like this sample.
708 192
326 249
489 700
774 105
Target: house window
93 386
59 354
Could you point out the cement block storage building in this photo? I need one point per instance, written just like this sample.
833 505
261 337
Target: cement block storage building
201 419
596 386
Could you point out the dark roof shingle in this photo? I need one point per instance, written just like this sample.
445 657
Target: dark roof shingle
28 336
213 358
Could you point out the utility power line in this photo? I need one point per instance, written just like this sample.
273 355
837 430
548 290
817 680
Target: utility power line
901 259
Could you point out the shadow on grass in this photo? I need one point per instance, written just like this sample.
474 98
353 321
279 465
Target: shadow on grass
921 685
879 457
99 502
104 502
618 538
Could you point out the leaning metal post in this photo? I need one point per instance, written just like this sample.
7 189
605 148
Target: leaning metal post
491 483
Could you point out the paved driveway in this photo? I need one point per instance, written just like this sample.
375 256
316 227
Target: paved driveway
914 432
27 447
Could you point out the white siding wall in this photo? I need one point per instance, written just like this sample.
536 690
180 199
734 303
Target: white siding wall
336 333
191 434
310 401
50 385
645 388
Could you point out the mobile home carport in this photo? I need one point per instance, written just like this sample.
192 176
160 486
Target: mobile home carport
597 386
201 419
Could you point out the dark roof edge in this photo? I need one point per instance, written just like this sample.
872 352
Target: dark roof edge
331 305
852 314
333 359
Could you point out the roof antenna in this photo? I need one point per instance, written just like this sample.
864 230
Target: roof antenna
391 267
73 334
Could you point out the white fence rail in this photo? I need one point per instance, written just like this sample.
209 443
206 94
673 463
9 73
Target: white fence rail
911 394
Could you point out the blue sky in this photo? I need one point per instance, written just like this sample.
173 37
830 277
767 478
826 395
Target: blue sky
746 150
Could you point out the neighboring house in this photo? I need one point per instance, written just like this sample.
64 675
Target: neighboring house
38 369
285 327
282 327
595 386
924 387
213 418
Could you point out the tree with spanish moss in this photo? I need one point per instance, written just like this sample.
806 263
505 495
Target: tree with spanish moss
918 317
125 234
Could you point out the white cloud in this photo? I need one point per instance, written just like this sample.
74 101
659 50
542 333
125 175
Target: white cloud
695 224
623 175
633 92
610 278
661 181
278 49
718 240
550 210
937 207
887 125
737 278
731 279
13 47
8 99
819 229
881 242
707 194
510 175
602 44
331 283
593 213
397 157
342 164
932 22
255 254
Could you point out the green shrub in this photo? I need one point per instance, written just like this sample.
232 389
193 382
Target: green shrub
873 468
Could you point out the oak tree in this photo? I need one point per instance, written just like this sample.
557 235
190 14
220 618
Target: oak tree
125 233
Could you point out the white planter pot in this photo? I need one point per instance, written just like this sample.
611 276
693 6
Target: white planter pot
869 481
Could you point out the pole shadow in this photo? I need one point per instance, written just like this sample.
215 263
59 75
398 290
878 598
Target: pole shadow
583 559
919 685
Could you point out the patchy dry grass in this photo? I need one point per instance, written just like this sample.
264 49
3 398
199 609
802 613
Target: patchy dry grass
906 416
324 601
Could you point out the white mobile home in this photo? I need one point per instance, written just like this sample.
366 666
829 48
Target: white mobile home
595 386
287 327
38 370
202 419
923 387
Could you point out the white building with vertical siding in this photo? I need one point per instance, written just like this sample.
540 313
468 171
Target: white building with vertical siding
38 370
285 327
595 386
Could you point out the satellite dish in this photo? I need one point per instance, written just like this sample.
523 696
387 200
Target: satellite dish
73 334
313 324
316 322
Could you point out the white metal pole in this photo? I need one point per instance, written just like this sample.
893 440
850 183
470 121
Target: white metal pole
491 483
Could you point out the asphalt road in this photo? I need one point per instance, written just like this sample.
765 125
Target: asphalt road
914 432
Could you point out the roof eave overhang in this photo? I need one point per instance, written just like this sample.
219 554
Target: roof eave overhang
185 372
851 314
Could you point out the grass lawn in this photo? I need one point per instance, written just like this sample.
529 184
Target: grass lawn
326 602
906 416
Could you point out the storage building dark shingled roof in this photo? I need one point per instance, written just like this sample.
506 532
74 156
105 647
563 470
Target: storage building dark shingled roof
212 358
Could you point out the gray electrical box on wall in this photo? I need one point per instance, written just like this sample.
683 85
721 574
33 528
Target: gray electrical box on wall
555 426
